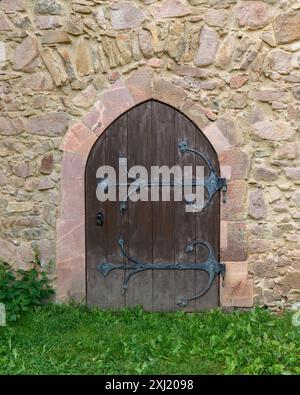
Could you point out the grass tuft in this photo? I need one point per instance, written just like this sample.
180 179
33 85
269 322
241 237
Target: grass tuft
74 340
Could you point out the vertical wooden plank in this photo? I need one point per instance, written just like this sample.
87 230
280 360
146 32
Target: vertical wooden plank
153 232
207 228
116 224
185 222
96 236
163 142
139 241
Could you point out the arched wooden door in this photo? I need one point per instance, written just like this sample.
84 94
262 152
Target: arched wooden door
151 233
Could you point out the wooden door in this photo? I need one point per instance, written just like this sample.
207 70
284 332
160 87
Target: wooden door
152 233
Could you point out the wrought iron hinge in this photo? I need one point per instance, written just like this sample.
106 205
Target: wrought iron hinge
133 266
212 183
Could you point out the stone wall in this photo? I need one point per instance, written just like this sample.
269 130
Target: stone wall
233 64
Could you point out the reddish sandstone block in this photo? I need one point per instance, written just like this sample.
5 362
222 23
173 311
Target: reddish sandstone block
235 248
70 256
223 235
236 290
111 104
167 92
70 240
139 84
78 139
237 81
225 172
71 281
234 209
239 162
72 199
216 138
198 114
73 166
47 164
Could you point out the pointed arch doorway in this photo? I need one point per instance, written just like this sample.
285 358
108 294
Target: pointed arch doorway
122 244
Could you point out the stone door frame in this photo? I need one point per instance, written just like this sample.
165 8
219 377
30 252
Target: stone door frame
141 85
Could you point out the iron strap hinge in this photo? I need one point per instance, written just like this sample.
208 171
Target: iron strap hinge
212 183
133 266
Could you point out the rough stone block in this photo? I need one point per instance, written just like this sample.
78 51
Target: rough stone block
79 139
72 199
112 103
235 244
73 166
216 138
234 209
239 162
236 290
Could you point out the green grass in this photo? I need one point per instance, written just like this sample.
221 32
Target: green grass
74 340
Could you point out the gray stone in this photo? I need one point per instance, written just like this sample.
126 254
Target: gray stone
19 207
7 252
223 3
287 27
257 206
47 22
73 29
295 197
126 16
33 234
100 17
263 173
269 95
216 18
170 9
296 91
292 172
23 169
209 42
55 66
49 124
13 5
26 53
2 52
269 38
252 14
5 24
272 130
46 250
52 7
83 59
238 101
225 52
55 36
281 61
145 42
3 179
85 98
264 269
11 126
46 183
292 280
41 81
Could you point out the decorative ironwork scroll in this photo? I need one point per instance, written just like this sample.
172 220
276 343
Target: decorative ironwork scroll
134 266
212 183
